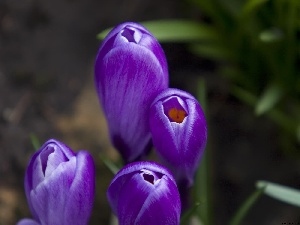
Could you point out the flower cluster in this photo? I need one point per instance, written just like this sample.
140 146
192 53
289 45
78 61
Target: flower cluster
142 112
59 186
131 78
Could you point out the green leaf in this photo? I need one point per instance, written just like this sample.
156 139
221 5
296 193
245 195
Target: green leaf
246 206
285 121
271 35
243 95
271 96
103 33
251 6
211 51
280 192
35 142
298 133
203 185
187 215
176 31
110 165
208 7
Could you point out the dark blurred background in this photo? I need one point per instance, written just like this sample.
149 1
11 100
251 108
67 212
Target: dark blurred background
47 52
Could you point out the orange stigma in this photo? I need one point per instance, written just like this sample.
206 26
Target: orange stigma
176 115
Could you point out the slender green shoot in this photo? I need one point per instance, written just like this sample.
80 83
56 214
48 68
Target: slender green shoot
35 142
247 205
110 165
203 185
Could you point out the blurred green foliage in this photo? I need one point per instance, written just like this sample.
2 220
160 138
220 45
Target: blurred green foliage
258 47
256 44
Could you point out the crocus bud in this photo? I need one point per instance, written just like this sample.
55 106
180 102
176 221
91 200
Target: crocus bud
59 186
130 71
144 193
178 129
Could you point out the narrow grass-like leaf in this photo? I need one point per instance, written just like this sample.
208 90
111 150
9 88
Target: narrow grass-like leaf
182 31
103 33
251 5
246 206
281 192
271 35
271 96
219 12
206 6
212 51
285 121
35 142
110 165
243 95
298 133
203 186
187 215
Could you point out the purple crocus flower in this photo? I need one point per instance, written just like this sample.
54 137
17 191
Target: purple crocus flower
144 193
130 71
179 133
59 186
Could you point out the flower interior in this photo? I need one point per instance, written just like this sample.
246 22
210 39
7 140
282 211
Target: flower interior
131 34
151 177
51 157
176 115
174 109
128 34
44 157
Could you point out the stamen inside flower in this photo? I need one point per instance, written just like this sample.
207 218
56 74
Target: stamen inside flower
175 109
176 115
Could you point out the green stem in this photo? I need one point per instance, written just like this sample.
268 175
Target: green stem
35 141
203 185
186 216
283 120
246 206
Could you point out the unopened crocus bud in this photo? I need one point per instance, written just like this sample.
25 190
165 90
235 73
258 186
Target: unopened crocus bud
130 70
59 186
179 132
144 193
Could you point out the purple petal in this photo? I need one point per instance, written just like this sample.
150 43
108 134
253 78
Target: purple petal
59 185
144 165
126 173
27 222
35 173
131 79
145 39
144 193
111 36
130 70
162 206
49 197
131 198
79 202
